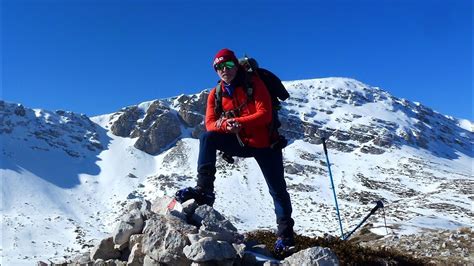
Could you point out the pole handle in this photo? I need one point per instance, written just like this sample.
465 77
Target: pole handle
324 145
378 206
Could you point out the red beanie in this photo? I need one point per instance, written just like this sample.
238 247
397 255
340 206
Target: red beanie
224 55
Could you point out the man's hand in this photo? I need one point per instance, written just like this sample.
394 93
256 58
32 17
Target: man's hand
233 126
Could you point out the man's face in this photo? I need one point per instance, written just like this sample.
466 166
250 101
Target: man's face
227 71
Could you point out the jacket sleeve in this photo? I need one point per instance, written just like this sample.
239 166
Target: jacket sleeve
211 117
263 106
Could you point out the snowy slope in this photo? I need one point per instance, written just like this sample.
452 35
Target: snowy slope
65 177
52 200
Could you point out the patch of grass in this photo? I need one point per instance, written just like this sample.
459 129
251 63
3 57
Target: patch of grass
348 253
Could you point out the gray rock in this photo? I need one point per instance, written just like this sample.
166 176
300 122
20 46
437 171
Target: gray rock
221 234
385 141
193 238
313 256
144 206
192 108
189 118
207 249
83 258
105 250
126 122
135 239
156 109
371 149
137 257
165 236
178 214
130 224
161 134
121 247
214 225
99 262
115 263
148 261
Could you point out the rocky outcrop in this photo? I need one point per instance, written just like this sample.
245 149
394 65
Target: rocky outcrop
160 126
185 234
126 122
192 108
164 131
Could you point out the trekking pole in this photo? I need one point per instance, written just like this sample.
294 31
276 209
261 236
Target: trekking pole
332 184
379 205
240 140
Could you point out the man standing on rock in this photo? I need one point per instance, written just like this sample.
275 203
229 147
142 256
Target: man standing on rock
241 129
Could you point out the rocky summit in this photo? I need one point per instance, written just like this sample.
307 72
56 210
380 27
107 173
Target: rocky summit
67 179
152 234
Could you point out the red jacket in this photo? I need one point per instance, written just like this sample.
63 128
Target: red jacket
255 116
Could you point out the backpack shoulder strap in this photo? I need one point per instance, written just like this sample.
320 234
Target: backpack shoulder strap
249 85
218 99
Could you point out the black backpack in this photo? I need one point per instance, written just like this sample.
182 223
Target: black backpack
277 92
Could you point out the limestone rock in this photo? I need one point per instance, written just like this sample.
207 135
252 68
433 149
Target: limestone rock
137 257
105 250
126 122
132 223
207 249
83 258
313 256
214 225
192 108
161 133
148 261
165 236
135 239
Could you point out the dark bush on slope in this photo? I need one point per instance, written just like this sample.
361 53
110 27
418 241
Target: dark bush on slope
349 253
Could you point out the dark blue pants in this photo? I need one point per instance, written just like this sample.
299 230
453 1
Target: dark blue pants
271 165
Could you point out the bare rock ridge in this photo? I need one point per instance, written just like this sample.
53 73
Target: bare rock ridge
316 108
73 133
160 125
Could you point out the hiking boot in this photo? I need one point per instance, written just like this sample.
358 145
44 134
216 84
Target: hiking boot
200 195
283 245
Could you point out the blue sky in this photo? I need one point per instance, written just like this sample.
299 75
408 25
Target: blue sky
95 57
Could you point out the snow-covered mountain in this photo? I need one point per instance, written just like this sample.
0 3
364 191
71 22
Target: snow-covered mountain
65 177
